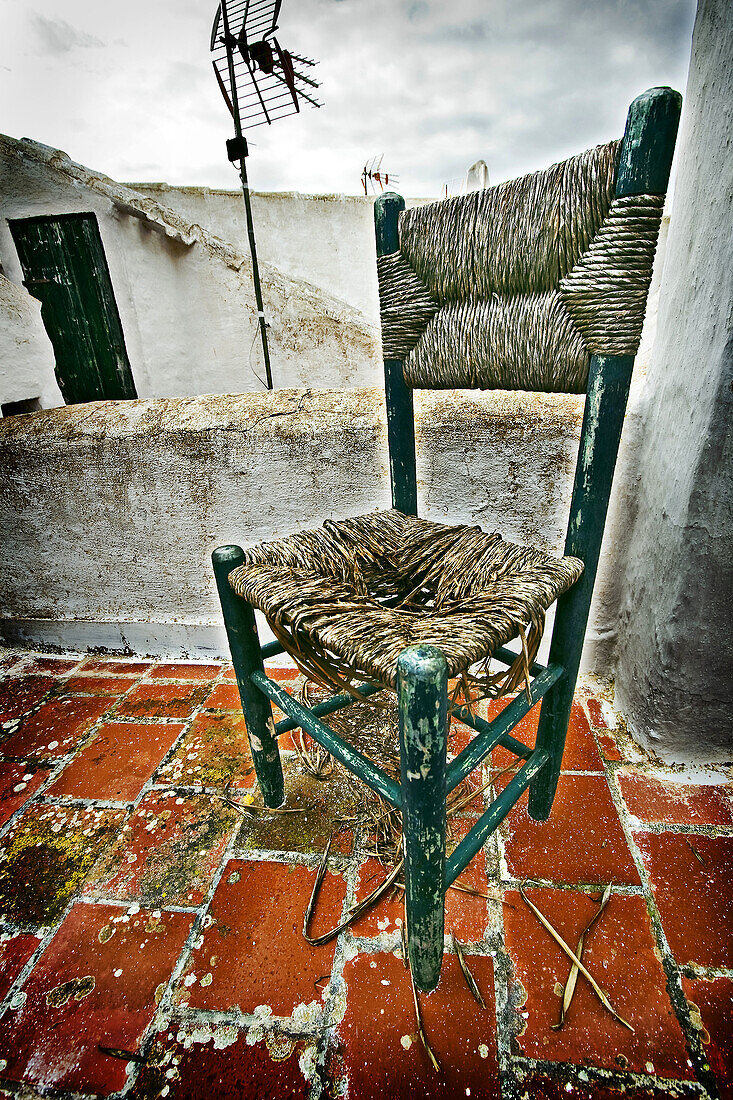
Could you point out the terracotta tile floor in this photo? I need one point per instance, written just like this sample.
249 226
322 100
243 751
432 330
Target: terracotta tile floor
151 913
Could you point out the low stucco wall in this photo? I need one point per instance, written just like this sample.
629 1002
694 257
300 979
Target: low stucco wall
109 512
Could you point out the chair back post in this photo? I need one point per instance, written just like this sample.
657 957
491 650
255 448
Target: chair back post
644 164
400 415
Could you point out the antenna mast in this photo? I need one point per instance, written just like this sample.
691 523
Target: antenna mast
262 84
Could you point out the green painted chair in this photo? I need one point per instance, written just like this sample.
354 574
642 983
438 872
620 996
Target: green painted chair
536 284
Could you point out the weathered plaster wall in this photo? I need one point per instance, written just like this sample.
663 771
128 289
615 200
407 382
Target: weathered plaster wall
108 516
673 677
185 297
326 239
26 355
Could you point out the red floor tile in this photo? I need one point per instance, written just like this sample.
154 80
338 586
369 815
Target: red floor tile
17 783
652 799
224 697
609 748
162 700
465 915
225 1067
56 728
214 752
51 666
167 853
621 954
595 712
98 982
281 673
691 880
117 762
389 912
380 1050
581 752
111 666
711 1004
254 952
9 662
45 857
184 671
582 842
15 951
97 685
20 694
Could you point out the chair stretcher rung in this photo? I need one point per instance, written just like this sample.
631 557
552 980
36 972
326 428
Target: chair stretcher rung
496 732
507 656
355 761
328 706
493 817
271 649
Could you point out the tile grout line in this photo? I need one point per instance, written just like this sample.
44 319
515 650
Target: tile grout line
672 972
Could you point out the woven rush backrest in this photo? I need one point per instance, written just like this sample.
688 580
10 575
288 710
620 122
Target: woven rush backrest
516 286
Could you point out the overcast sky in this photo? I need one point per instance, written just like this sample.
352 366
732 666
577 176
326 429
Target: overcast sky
127 88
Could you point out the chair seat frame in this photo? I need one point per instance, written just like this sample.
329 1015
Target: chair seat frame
426 776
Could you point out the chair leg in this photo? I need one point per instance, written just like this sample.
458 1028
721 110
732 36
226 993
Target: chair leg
244 644
566 649
422 691
551 733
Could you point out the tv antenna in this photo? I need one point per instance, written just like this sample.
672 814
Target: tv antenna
261 82
372 174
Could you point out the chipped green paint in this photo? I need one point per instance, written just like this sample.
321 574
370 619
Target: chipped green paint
244 644
354 760
398 397
644 163
422 683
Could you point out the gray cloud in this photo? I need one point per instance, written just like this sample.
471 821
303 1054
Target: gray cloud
432 85
56 36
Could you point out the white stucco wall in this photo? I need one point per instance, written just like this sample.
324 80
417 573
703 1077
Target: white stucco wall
108 514
185 297
676 604
26 355
326 239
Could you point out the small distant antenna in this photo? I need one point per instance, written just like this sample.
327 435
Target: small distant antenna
372 174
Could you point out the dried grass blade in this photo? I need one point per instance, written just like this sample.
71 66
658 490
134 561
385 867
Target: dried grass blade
470 980
421 1030
354 914
464 800
461 887
586 974
314 892
573 975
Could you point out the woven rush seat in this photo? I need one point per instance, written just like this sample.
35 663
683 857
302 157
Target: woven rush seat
345 600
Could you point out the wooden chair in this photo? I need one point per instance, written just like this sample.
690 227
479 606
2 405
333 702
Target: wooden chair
537 284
